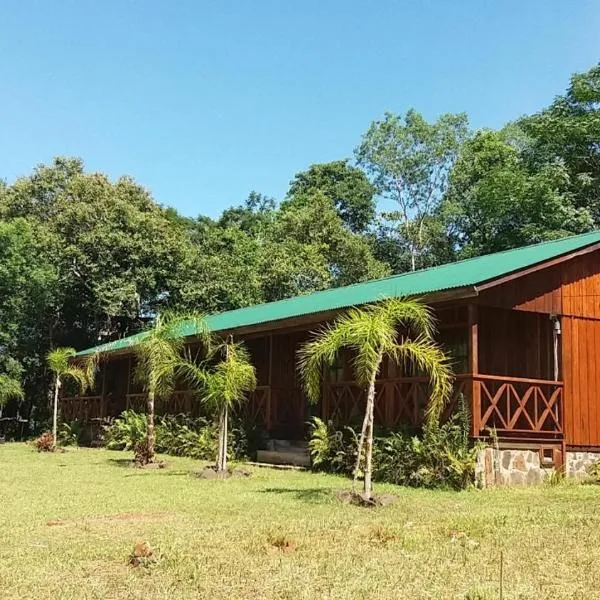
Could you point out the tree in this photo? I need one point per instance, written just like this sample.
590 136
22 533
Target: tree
10 389
496 201
159 360
409 160
347 187
59 362
398 330
225 382
567 133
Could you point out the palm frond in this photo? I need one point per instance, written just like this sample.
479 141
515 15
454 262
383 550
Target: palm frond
319 353
58 359
409 313
428 357
229 383
10 389
161 355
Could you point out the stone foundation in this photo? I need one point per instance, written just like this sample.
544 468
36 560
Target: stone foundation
509 467
577 463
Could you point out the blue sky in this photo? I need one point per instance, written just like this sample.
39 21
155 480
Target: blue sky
203 102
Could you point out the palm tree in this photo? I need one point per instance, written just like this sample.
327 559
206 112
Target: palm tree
160 359
224 385
10 389
400 330
59 362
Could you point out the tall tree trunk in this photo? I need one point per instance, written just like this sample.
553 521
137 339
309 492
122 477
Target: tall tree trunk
150 440
222 449
225 418
361 442
55 411
368 489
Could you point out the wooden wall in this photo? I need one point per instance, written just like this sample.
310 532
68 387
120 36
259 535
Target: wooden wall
515 344
570 289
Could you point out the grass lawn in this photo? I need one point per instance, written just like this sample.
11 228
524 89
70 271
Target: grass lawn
69 521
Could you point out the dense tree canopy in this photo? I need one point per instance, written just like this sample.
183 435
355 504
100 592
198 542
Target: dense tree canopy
84 258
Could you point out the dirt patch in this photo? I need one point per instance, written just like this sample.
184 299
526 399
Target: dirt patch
358 499
156 464
212 473
283 544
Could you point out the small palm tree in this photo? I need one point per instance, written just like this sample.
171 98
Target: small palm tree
84 375
397 329
10 389
224 385
160 358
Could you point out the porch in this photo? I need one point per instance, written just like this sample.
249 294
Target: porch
504 360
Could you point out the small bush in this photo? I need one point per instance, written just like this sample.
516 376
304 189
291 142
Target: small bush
74 433
593 472
441 456
330 449
45 443
181 435
126 431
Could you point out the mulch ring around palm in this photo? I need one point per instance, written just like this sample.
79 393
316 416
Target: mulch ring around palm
359 499
212 473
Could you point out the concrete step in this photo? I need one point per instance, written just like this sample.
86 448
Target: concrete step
296 457
291 445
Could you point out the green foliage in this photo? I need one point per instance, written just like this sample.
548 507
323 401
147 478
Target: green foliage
10 389
74 433
181 435
496 201
400 329
593 471
440 457
332 450
409 161
347 187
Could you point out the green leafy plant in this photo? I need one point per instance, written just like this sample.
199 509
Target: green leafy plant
441 456
160 358
59 361
224 382
74 433
124 432
330 449
399 330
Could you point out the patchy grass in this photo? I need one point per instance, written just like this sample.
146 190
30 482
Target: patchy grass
69 522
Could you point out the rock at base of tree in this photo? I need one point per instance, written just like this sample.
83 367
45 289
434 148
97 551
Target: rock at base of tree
358 498
212 473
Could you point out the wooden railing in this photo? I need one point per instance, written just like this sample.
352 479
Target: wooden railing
510 406
398 402
260 406
516 406
84 408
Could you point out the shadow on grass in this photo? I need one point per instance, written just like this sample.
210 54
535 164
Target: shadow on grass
309 495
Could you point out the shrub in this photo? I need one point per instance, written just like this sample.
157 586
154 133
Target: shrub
593 472
45 443
330 449
125 431
182 435
441 456
74 433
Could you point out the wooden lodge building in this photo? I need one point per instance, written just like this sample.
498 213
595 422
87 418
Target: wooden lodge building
522 328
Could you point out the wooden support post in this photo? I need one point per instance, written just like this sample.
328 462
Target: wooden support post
473 325
103 391
270 389
128 384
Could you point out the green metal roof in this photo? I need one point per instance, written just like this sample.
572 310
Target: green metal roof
459 274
